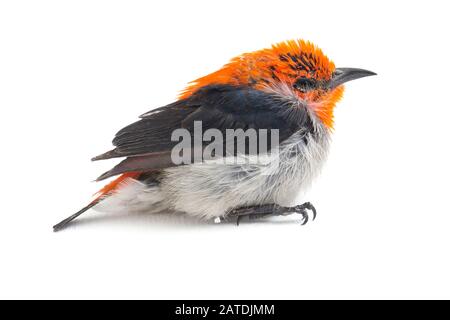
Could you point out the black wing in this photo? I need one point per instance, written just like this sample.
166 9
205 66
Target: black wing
147 142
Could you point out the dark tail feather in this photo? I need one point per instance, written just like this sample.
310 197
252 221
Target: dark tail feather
66 221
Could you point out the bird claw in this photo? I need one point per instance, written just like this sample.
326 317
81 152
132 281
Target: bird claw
238 220
253 213
303 210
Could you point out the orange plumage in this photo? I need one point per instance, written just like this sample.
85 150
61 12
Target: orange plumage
113 185
284 62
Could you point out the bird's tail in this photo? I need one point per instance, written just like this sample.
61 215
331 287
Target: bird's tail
105 192
61 225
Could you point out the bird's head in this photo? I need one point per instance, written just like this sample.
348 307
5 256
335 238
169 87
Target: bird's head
295 69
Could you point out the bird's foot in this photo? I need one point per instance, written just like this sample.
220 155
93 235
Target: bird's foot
267 210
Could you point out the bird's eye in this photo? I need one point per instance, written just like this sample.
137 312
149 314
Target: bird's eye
304 84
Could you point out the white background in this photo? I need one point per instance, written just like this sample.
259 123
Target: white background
74 72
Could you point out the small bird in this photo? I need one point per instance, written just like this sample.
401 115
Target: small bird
290 88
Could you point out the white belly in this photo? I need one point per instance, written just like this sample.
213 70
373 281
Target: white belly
209 190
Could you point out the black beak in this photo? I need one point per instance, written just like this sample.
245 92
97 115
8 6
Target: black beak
342 75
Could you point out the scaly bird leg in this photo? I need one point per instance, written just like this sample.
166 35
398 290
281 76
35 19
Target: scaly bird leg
266 210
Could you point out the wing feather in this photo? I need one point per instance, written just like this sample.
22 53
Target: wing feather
147 143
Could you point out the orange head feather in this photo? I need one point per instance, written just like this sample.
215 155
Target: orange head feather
284 63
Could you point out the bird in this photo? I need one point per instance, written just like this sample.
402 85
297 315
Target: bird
289 89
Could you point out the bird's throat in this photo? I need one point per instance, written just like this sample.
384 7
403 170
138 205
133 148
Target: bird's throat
323 108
